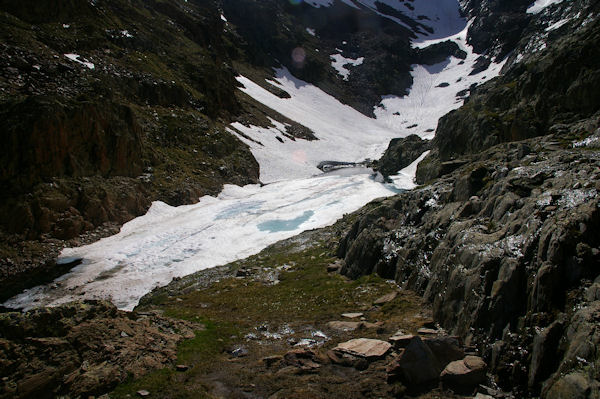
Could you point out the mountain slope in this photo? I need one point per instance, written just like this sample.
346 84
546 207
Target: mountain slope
110 104
501 239
107 106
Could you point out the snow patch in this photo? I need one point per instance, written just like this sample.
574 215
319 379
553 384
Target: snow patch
343 133
340 64
434 91
539 5
405 179
75 57
557 24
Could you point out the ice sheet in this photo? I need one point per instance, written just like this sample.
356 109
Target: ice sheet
171 242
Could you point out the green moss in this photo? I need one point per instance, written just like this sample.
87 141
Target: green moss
196 353
306 295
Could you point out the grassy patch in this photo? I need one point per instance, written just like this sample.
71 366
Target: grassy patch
284 286
197 353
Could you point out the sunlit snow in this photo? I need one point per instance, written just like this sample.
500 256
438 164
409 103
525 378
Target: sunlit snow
539 5
434 90
344 134
341 63
75 57
171 242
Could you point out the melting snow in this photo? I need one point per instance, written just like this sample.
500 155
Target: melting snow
343 133
427 100
340 62
75 57
539 5
406 177
171 242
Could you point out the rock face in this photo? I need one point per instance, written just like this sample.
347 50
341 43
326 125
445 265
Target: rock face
401 153
540 93
505 248
503 240
82 349
91 140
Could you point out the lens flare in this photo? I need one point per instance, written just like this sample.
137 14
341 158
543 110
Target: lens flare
298 56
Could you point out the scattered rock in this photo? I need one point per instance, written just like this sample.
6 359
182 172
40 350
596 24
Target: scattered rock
364 347
305 359
464 374
143 393
386 298
348 360
352 315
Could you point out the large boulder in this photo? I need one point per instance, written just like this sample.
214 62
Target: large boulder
415 365
464 375
400 153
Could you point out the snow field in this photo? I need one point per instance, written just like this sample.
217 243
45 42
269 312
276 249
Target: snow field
171 242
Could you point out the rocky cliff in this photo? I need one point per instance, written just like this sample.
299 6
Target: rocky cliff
502 240
549 85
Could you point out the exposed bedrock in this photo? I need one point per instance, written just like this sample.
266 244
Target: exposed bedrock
506 249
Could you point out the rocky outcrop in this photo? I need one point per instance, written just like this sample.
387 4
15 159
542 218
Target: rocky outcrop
505 248
497 26
400 153
543 92
45 138
82 349
439 52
